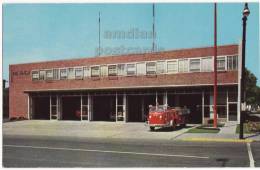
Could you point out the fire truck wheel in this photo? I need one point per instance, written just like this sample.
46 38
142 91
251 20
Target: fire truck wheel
152 128
183 125
173 125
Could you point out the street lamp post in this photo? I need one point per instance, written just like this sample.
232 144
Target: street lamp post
246 12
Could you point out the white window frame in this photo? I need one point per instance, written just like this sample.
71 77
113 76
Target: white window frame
80 77
98 75
46 74
153 70
190 60
164 66
72 74
133 69
232 56
143 70
115 72
103 70
62 69
177 66
188 63
124 71
58 74
225 64
38 75
212 64
87 73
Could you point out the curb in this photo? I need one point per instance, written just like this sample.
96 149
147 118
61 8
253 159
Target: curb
217 140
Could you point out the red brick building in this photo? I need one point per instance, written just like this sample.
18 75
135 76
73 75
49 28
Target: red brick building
120 88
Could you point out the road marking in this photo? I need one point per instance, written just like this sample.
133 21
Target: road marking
217 140
251 158
104 151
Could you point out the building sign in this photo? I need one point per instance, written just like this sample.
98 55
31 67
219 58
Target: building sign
21 73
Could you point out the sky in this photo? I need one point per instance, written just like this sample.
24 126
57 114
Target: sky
40 32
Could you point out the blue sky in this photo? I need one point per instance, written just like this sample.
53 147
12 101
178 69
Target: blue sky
39 32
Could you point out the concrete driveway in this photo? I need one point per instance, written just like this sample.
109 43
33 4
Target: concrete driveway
88 129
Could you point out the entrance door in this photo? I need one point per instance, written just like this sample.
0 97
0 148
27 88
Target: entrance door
54 107
232 112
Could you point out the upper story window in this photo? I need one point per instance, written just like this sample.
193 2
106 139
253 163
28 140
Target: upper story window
172 66
86 72
42 75
207 64
63 73
103 71
232 62
71 73
35 75
150 68
55 74
79 73
160 67
183 65
221 63
130 69
121 69
49 74
140 68
112 70
195 65
95 71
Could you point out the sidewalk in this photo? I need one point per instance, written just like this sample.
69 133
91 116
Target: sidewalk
226 133
112 130
77 129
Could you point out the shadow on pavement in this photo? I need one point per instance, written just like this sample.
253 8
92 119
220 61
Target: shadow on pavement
169 129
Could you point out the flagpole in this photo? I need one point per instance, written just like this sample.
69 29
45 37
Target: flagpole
215 65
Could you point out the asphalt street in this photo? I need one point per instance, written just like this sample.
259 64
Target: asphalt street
29 151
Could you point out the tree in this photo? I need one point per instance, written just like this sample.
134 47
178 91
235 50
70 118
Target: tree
252 90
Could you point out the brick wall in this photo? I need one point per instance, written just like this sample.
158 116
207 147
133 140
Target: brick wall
22 82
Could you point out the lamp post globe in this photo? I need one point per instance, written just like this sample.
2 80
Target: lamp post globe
246 11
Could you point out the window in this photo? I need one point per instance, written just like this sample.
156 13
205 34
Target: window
35 75
42 75
49 75
55 74
150 68
207 64
121 69
78 73
112 71
140 69
221 62
232 62
130 69
194 65
160 67
95 71
86 72
183 65
103 71
71 73
63 74
172 66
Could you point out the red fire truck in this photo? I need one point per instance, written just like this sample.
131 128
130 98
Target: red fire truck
163 116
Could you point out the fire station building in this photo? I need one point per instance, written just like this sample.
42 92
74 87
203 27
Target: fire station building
121 88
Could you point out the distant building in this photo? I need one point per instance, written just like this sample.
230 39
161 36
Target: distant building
5 100
120 88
